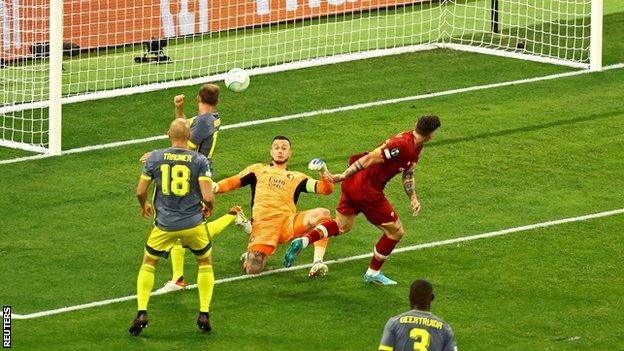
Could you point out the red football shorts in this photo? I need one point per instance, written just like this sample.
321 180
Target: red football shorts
372 203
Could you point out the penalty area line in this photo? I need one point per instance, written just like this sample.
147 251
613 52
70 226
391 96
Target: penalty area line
341 260
323 112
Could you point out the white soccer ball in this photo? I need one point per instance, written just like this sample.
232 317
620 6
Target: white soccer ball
237 80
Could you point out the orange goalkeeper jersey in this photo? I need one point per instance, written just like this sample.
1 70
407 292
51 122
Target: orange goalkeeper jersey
274 191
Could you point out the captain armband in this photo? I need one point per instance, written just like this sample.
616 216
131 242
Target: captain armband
311 185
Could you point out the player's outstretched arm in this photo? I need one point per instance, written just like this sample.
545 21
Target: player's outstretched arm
246 177
178 102
141 193
410 189
227 184
363 163
322 186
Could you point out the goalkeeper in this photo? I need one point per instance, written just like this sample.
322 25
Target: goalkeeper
204 133
274 194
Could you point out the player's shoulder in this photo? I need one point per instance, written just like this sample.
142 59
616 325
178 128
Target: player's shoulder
207 118
394 320
299 175
257 167
197 156
439 319
156 155
406 137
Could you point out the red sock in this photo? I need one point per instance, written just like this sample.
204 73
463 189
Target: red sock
383 249
330 227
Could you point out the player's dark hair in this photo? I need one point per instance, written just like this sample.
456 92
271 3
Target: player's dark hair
427 124
281 137
421 294
209 94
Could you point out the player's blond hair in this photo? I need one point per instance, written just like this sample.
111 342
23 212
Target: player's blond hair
179 130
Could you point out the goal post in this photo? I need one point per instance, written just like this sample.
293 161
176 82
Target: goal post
595 56
56 52
55 84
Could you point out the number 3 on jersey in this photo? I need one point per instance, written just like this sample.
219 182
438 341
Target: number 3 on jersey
175 180
421 339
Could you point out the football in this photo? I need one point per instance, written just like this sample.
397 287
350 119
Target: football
237 80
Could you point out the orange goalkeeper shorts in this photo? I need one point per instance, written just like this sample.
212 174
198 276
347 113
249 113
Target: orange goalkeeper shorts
267 233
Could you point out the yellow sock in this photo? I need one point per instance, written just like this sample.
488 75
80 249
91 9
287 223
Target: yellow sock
205 285
145 283
177 261
215 227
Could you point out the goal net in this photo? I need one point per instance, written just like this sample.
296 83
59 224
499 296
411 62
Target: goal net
111 48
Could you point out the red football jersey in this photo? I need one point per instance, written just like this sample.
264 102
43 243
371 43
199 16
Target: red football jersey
399 153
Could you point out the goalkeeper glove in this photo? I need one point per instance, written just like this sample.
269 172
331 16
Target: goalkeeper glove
317 165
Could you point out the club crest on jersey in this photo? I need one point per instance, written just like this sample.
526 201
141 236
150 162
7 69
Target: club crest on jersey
290 176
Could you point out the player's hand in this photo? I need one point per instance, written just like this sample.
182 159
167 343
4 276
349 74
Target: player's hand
146 211
334 178
215 187
415 206
317 165
145 156
178 100
206 212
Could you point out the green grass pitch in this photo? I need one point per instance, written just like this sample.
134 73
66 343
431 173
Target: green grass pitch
71 233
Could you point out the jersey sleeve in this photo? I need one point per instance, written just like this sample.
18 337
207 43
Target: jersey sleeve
204 168
200 130
388 338
392 149
311 185
449 342
248 175
245 177
148 168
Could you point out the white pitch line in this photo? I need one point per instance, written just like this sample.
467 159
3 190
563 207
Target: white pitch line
340 260
324 111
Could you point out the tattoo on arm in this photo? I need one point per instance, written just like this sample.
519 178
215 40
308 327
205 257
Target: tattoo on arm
354 168
408 182
358 165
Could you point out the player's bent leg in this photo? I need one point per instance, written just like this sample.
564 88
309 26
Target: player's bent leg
325 227
345 222
255 262
218 225
177 282
319 268
205 287
315 216
394 230
392 234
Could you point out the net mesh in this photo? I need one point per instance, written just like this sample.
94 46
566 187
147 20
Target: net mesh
117 44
